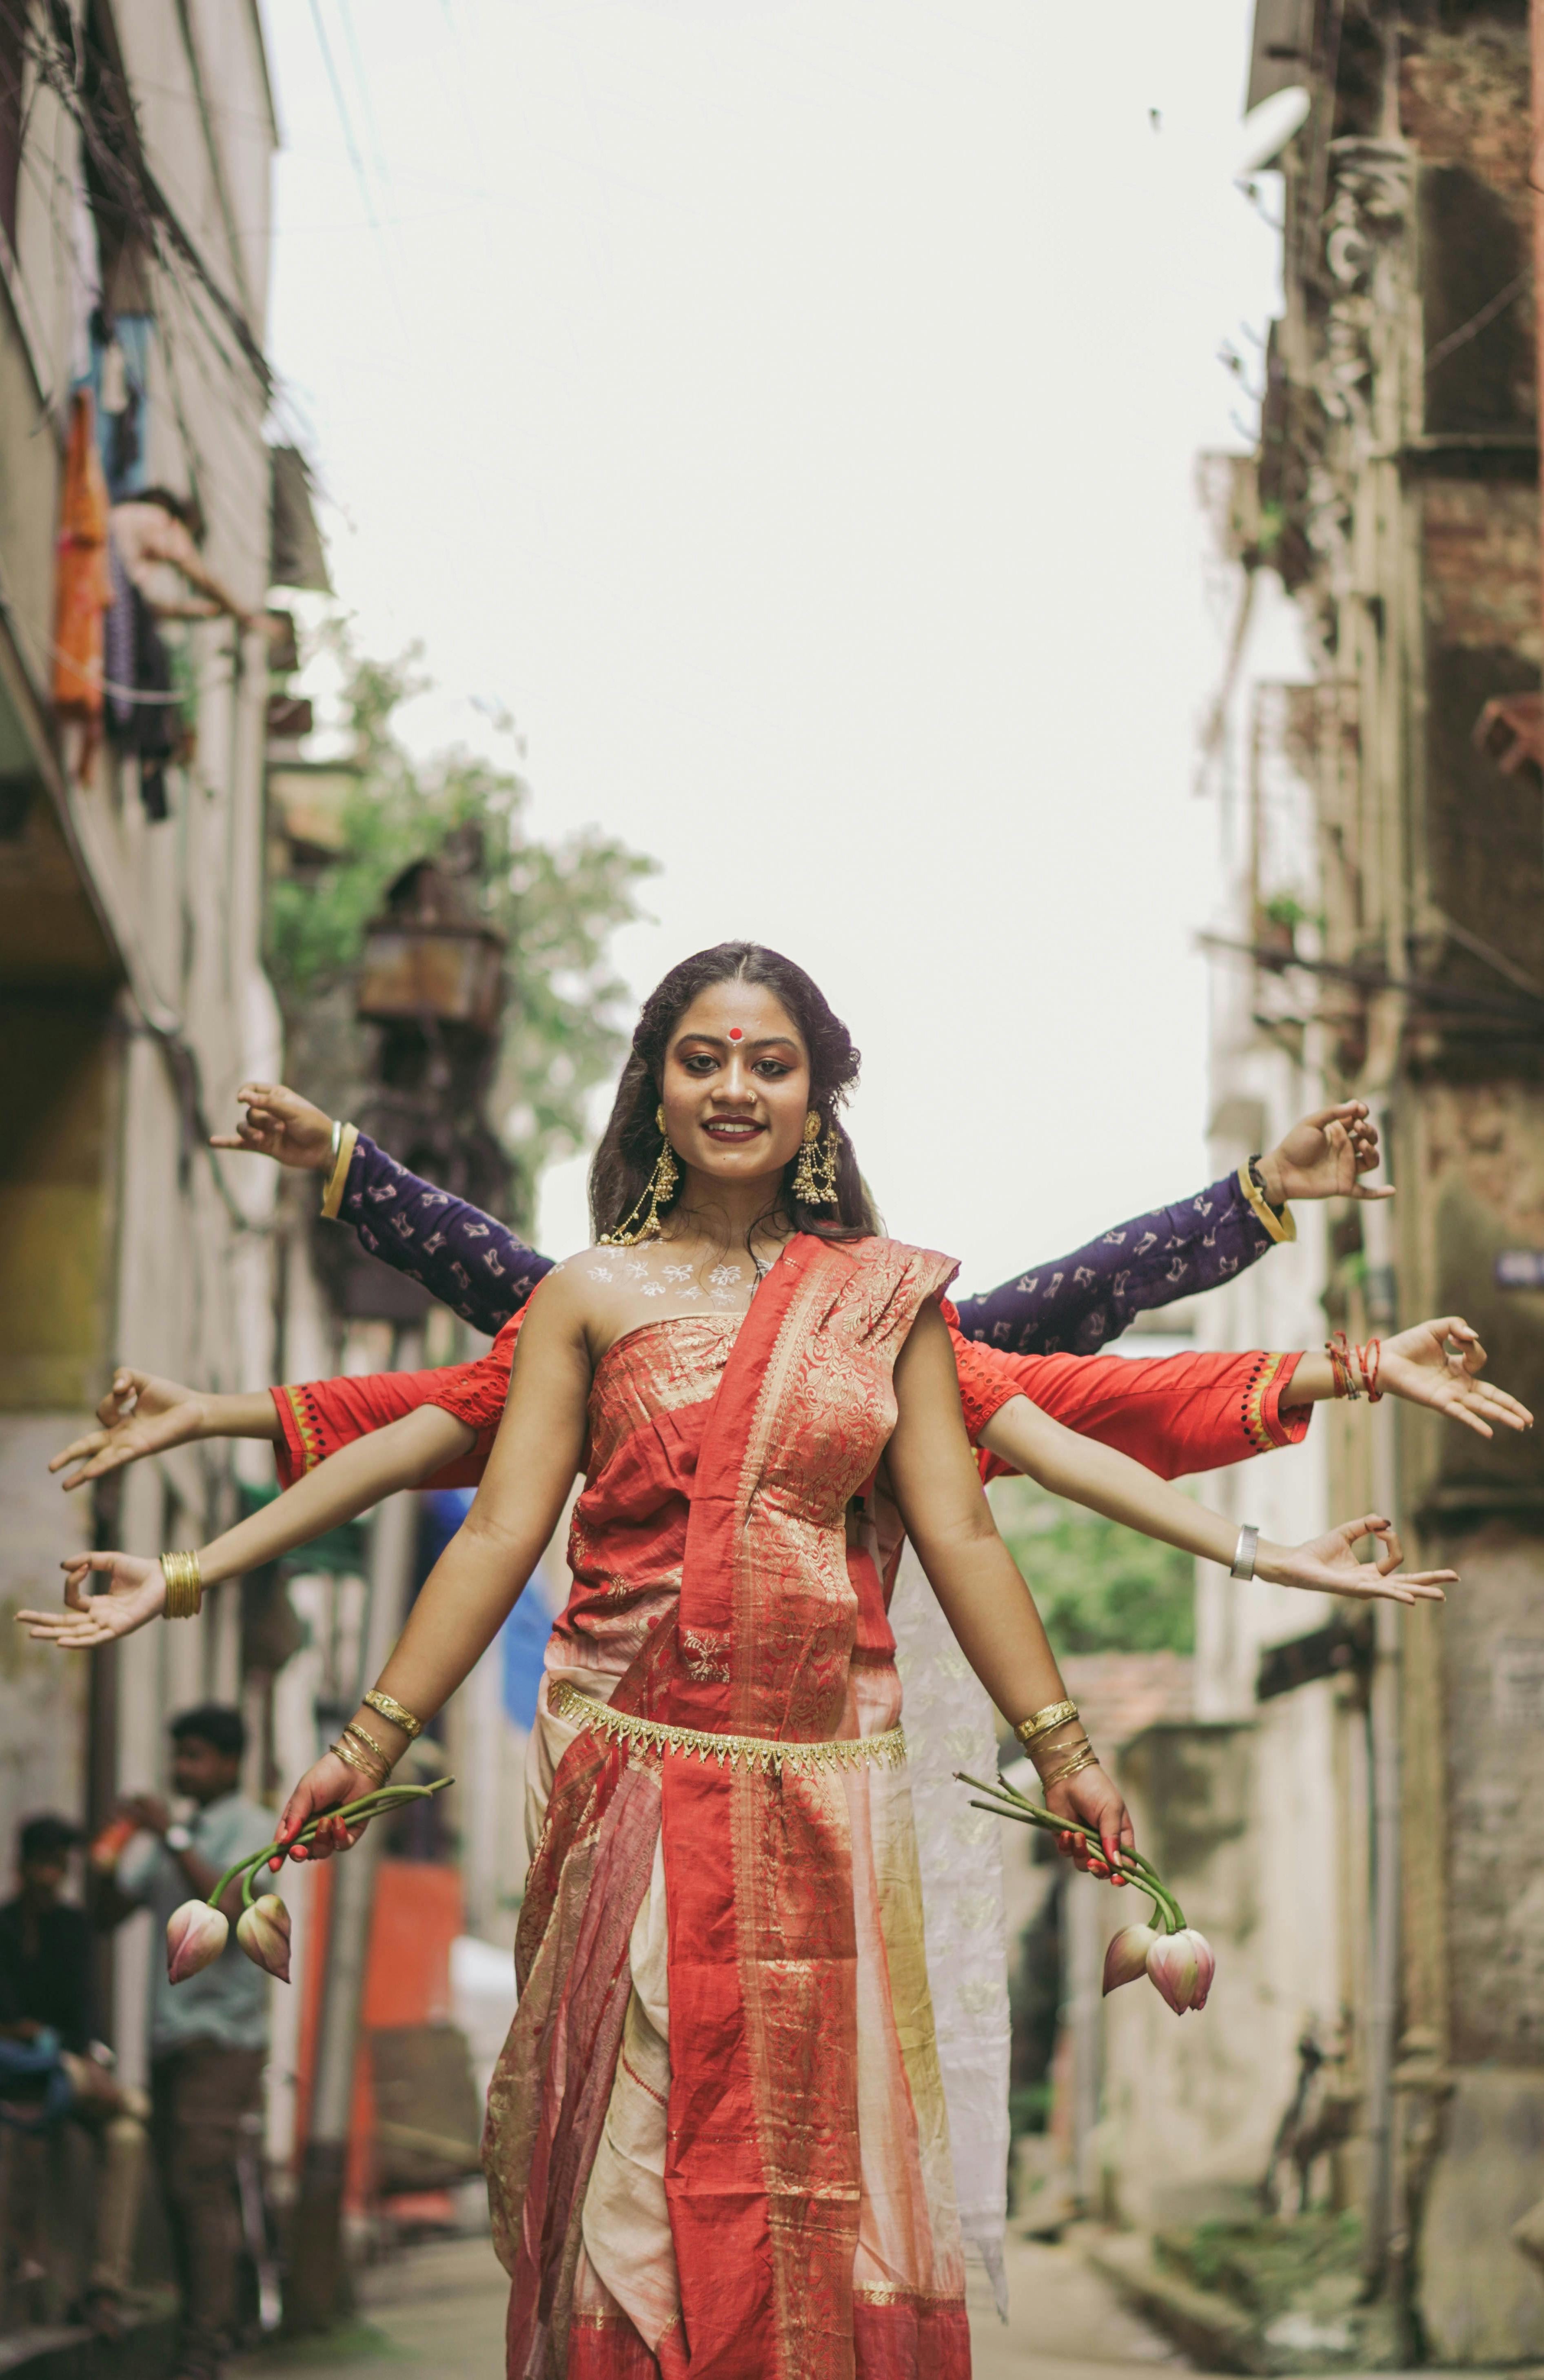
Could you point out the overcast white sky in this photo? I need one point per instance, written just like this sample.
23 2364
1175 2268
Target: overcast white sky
787 410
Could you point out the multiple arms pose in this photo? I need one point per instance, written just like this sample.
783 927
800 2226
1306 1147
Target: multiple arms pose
478 1267
1436 1365
538 1450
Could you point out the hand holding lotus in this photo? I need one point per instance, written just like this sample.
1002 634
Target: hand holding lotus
198 1932
1093 1800
1176 1960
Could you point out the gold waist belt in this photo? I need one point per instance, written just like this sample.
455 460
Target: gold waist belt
752 1751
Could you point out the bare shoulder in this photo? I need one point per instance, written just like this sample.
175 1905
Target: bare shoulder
577 1296
561 1306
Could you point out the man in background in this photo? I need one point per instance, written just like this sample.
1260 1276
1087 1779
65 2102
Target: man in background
209 2036
50 2070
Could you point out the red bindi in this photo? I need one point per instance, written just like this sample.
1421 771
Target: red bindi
735 1033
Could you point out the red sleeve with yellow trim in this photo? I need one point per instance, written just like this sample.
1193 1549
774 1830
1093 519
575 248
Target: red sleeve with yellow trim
1176 1414
317 1418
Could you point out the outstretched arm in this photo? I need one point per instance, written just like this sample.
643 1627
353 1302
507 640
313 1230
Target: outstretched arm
478 1579
141 1414
1080 1302
469 1261
1203 1411
402 1455
985 1600
1111 1483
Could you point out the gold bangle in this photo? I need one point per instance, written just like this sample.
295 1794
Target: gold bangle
1041 1722
361 1736
184 1586
332 1189
1086 1759
351 1759
1280 1227
1070 1751
396 1712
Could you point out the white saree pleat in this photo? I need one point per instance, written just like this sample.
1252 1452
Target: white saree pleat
949 1726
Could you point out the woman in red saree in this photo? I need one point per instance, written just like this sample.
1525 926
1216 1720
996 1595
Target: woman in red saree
716 2136
716 2142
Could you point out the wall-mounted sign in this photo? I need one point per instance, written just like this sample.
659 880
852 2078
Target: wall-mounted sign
1520 1269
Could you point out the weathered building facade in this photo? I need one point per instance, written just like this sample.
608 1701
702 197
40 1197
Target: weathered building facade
1399 956
135 150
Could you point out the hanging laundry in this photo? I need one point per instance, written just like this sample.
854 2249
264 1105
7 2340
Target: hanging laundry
144 719
83 583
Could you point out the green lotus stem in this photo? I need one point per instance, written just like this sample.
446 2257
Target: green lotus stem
1141 1872
369 1805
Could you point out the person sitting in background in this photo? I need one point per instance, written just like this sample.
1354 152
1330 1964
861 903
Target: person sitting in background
50 2068
209 2038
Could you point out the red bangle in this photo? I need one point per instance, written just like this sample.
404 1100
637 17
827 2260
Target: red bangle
1335 1347
1369 1359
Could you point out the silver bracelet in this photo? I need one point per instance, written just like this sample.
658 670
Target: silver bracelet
1244 1552
337 1144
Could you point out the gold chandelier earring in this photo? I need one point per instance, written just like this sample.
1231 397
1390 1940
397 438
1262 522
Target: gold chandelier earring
815 1174
660 1190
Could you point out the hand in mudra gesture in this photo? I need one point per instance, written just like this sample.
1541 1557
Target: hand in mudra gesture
136 1592
1438 1363
281 1124
1328 1565
141 1415
1325 1157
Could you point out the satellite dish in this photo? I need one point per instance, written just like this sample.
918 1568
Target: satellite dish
1268 127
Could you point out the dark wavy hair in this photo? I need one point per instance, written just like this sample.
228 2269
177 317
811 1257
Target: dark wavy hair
630 1145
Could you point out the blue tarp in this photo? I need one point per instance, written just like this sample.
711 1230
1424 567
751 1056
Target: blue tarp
523 1638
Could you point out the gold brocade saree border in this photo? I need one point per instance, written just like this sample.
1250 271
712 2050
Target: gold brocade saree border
886 1751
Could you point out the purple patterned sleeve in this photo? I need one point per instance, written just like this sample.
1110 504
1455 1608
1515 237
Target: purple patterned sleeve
470 1263
1079 1303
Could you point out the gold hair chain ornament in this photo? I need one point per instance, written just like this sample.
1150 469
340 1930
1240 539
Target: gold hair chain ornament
815 1174
184 1586
661 1188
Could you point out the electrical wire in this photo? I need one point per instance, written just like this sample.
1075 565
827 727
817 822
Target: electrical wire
357 161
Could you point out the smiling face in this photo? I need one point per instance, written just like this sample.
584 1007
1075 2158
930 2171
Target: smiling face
737 1084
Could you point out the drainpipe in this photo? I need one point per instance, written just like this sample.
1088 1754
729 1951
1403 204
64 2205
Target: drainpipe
318 2293
1383 2252
1537 178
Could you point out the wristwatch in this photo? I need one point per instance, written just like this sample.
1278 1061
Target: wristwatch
178 1839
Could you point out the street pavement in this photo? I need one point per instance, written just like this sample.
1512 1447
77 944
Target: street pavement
435 2312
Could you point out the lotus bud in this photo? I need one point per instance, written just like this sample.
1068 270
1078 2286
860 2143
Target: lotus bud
195 1936
264 1933
1182 1966
1127 1956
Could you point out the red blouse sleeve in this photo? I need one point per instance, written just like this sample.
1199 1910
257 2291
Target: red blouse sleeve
317 1418
1176 1414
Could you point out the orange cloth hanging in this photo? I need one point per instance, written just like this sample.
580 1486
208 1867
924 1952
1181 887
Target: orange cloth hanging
84 585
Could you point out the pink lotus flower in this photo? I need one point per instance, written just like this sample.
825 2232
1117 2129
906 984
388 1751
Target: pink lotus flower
1182 1966
1127 1956
264 1933
195 1936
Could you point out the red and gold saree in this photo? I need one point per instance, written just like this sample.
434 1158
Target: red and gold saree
717 2143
